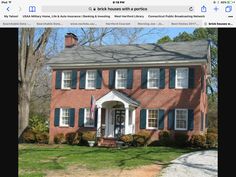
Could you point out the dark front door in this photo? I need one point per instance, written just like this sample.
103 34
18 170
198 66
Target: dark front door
119 126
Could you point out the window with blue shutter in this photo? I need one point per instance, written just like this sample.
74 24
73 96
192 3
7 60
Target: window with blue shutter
171 119
72 117
99 79
144 78
81 117
191 78
74 79
112 78
162 78
190 119
161 119
56 117
82 79
142 118
172 78
130 78
58 79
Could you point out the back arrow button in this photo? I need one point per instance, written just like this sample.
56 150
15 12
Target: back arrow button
8 9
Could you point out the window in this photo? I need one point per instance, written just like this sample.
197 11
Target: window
64 117
91 79
66 80
121 78
181 78
153 78
88 122
152 119
130 116
181 119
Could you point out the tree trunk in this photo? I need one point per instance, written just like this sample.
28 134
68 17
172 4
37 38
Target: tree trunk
23 108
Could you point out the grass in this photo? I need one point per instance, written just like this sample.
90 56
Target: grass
35 159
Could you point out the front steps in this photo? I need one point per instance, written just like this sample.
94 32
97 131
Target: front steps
107 142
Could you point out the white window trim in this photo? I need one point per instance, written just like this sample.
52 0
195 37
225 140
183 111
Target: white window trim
86 80
62 80
151 128
186 78
85 112
60 121
186 120
148 78
116 78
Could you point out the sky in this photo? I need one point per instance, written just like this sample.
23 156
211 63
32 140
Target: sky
172 32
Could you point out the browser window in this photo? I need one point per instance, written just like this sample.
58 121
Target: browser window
117 87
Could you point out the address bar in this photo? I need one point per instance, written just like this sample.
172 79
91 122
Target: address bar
117 9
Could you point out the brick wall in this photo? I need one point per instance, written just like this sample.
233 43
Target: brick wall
156 98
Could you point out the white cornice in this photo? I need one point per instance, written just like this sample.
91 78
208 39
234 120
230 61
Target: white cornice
125 64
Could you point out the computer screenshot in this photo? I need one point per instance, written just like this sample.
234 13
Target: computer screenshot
115 88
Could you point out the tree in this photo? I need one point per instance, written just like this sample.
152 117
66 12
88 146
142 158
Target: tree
183 37
31 56
164 40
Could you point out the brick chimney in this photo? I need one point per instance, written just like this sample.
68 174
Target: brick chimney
70 40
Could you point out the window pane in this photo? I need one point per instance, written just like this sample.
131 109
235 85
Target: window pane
91 79
153 78
152 118
182 77
181 119
121 78
88 120
65 117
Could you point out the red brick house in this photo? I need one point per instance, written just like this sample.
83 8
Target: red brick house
136 87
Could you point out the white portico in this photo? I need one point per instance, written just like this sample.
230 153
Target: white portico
118 114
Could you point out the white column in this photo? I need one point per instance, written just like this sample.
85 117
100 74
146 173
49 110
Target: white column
133 121
126 120
99 121
106 122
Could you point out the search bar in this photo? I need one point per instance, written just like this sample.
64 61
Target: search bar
117 9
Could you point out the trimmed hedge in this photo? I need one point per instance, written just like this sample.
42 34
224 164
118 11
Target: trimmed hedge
73 138
59 138
211 140
42 137
28 136
198 141
165 138
181 139
141 138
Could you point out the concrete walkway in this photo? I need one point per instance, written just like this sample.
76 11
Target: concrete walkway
195 164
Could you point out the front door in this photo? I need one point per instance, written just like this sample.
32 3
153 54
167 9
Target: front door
119 124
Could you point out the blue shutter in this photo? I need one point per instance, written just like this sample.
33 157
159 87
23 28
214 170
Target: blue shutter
58 79
161 119
206 121
202 121
172 78
74 79
130 78
72 117
162 78
191 78
190 119
99 79
144 78
112 73
171 119
56 117
142 118
81 117
96 118
82 79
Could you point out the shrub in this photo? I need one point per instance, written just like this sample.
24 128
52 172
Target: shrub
38 123
89 136
59 138
181 139
165 138
198 141
212 130
28 136
141 138
73 138
42 137
127 139
211 140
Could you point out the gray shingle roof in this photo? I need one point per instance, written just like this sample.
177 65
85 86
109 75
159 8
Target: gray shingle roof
114 54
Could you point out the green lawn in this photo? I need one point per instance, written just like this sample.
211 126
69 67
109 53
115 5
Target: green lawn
34 159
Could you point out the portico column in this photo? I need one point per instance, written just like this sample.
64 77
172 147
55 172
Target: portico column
99 121
126 120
